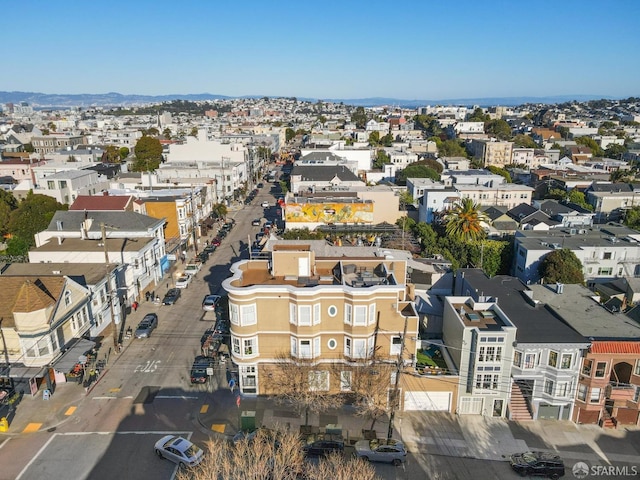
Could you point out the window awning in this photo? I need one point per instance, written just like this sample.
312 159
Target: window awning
21 371
68 360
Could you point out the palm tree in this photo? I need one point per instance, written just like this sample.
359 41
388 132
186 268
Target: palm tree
464 220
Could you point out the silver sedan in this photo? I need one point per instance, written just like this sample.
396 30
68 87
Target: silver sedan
382 450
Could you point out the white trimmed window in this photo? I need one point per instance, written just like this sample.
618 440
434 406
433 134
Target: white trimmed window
234 316
305 348
316 347
250 347
248 315
567 360
396 345
347 313
293 314
359 348
637 369
319 380
347 347
548 387
345 381
294 347
67 298
371 341
582 392
304 315
595 395
316 313
372 314
562 389
235 341
360 315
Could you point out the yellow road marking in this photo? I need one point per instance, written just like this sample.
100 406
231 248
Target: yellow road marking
114 390
70 411
32 427
218 427
204 409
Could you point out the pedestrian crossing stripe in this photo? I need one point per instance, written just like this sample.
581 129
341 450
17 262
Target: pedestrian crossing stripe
32 427
70 411
218 427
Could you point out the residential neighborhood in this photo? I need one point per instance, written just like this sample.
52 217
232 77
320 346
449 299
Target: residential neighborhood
461 262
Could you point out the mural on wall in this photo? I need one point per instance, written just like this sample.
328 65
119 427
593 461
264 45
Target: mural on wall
329 212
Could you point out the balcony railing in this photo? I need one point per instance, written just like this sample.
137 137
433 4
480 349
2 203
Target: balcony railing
620 391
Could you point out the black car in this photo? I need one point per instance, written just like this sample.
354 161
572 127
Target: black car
539 464
203 256
210 248
199 368
322 444
260 185
171 296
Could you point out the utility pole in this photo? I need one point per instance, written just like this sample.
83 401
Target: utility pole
114 329
193 222
399 365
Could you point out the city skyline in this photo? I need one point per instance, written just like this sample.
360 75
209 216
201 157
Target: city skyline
422 51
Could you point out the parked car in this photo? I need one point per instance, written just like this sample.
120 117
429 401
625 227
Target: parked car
255 222
322 444
260 185
539 464
264 204
146 326
183 280
210 248
382 450
199 368
209 302
193 268
216 241
171 296
203 256
179 450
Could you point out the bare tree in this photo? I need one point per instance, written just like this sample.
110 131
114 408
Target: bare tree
270 455
303 385
338 467
371 386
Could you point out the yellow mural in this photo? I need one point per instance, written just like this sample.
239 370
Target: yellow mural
329 212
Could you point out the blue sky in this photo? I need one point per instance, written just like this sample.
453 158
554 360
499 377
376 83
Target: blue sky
422 49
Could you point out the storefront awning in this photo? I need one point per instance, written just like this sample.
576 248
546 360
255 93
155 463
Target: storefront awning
20 371
68 360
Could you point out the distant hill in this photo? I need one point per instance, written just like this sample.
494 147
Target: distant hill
113 99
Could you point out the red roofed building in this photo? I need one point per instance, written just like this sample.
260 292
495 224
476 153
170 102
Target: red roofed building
609 386
103 203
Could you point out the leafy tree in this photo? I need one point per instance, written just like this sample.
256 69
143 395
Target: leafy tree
148 152
193 132
381 159
561 266
590 143
428 238
32 215
464 221
632 218
166 133
406 199
17 246
28 147
478 115
415 170
498 128
359 117
563 131
370 384
387 140
5 212
429 125
556 194
524 141
111 154
289 134
577 197
614 150
500 171
374 138
452 148
303 234
152 132
123 152
618 176
219 210
322 119
433 164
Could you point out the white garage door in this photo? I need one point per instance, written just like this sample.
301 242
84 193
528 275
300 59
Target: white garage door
434 401
470 405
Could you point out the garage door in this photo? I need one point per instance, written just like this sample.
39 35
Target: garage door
434 401
470 405
548 412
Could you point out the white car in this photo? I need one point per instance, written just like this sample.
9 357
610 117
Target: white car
265 204
179 450
183 280
391 451
209 303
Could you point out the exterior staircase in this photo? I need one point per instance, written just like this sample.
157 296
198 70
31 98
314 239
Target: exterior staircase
607 421
519 407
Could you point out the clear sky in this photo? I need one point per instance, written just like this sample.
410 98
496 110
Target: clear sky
422 49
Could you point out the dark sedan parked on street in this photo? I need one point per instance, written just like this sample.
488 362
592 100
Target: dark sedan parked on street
171 296
322 444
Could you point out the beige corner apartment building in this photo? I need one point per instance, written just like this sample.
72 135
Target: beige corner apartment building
311 300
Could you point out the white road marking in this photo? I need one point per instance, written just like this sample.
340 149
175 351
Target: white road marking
4 443
184 397
36 455
148 367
